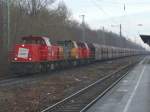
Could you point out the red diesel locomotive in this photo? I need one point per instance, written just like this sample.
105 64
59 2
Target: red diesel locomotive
37 53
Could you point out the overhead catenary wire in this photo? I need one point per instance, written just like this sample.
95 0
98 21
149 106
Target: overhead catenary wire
111 2
98 6
119 22
124 8
113 21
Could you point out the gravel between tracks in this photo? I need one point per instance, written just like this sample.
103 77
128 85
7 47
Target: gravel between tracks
35 93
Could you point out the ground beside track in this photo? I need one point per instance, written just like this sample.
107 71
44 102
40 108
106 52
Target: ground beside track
34 93
3 67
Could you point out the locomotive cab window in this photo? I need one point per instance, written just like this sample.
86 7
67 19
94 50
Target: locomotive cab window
33 41
67 44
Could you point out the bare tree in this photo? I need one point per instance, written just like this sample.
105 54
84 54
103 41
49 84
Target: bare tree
32 7
1 19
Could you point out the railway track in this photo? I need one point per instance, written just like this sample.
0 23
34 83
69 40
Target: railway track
84 98
11 78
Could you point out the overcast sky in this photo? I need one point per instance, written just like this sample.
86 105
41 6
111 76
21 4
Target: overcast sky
99 13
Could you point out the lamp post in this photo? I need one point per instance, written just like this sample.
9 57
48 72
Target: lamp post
8 24
120 29
83 27
103 34
138 31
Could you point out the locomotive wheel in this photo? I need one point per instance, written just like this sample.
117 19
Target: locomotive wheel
39 68
52 66
74 63
44 68
56 65
88 61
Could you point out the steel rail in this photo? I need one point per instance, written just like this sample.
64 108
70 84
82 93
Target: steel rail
82 91
103 93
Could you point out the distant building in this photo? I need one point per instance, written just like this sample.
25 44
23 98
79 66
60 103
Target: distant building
146 39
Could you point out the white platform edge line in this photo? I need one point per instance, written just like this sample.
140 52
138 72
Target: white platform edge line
142 61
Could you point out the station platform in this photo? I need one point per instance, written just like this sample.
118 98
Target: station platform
131 94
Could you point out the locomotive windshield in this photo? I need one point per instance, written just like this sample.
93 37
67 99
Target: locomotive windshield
33 41
68 44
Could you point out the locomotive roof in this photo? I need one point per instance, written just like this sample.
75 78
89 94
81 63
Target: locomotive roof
46 39
33 37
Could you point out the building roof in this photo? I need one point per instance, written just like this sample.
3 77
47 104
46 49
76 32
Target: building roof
146 39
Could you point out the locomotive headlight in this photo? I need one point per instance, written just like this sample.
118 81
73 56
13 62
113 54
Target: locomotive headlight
15 59
30 59
22 45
